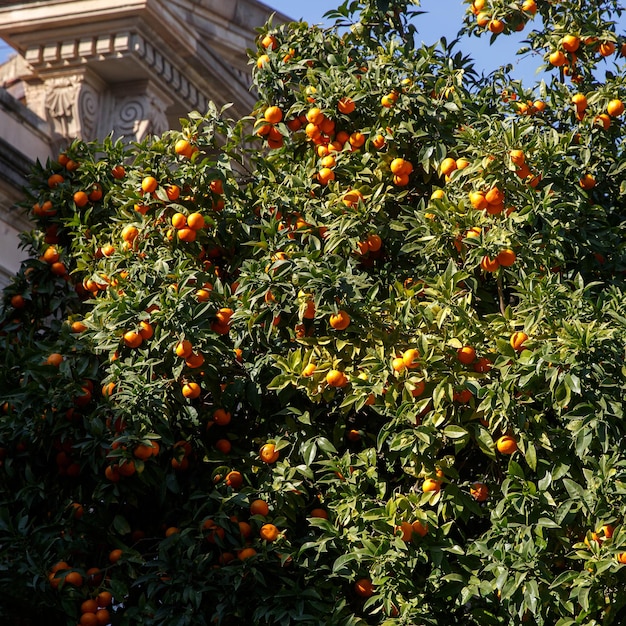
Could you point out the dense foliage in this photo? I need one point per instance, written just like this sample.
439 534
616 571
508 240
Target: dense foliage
356 359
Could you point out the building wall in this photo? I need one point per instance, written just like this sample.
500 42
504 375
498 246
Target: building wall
86 68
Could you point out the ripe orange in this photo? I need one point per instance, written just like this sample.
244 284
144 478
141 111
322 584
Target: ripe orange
104 599
364 588
466 355
269 532
115 555
506 257
606 48
149 184
325 175
410 357
529 6
557 58
183 148
74 578
184 349
54 359
517 157
132 339
309 370
517 340
615 108
129 233
407 531
81 199
89 606
419 528
246 553
118 172
621 557
273 115
340 320
430 484
191 390
103 617
196 221
259 507
478 200
269 41
346 105
234 479
570 43
321 513
221 417
88 619
496 26
587 182
488 264
146 330
335 378
55 180
262 61
448 166
374 242
506 444
268 453
479 492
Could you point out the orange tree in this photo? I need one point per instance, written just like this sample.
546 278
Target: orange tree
356 359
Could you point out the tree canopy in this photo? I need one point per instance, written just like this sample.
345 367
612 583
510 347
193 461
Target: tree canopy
355 359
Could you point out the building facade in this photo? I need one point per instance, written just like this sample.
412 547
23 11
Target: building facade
88 68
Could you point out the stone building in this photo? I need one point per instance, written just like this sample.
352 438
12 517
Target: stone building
86 68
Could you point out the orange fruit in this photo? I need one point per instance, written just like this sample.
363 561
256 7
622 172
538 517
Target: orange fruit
397 364
506 444
346 105
191 390
103 617
269 41
149 184
410 357
118 172
309 370
606 48
466 355
557 58
506 257
488 264
603 120
448 166
234 479
195 360
259 507
129 233
183 148
74 578
529 6
580 101
419 528
478 200
54 359
268 453
517 340
55 180
364 588
196 221
81 199
132 339
517 157
145 330
269 532
115 555
104 599
495 26
570 43
335 378
479 492
325 175
184 349
273 115
246 553
407 531
88 619
621 557
615 108
89 606
351 198
587 182
340 320
430 484
320 513
221 417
